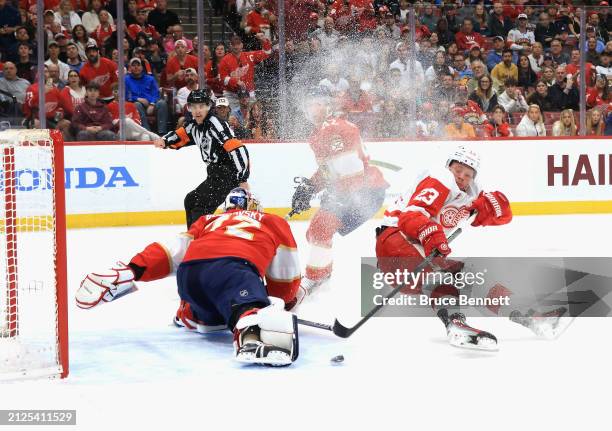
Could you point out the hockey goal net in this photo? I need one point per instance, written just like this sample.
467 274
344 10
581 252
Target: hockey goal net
33 303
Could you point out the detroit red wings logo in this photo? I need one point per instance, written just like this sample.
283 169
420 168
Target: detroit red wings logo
101 79
451 216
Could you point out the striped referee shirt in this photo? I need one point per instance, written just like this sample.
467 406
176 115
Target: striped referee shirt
221 151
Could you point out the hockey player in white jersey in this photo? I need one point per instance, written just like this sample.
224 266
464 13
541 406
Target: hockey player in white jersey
418 223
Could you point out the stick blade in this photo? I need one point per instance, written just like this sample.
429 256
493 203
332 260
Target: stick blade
340 330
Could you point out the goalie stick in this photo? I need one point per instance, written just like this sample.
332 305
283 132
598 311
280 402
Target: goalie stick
343 331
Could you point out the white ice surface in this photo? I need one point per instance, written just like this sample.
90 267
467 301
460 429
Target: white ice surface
132 369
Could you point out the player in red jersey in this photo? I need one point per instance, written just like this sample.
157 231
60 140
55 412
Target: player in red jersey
352 189
418 223
220 265
100 70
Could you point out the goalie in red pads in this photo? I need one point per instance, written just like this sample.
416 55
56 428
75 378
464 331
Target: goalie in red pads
419 221
220 265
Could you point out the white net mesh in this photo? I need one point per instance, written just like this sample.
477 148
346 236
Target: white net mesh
29 344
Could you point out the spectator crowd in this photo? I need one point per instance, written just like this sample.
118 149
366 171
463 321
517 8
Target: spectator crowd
471 69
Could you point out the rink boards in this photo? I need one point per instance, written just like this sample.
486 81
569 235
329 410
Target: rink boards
110 184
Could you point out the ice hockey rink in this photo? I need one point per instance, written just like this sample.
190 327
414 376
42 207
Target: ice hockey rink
132 369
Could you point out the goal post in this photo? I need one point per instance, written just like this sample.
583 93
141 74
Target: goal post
33 278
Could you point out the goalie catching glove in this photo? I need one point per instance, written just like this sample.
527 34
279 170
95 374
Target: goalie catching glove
493 209
105 286
302 195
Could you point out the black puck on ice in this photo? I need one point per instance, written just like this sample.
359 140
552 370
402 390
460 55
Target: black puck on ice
337 359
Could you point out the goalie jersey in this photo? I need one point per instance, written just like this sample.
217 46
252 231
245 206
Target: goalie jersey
264 240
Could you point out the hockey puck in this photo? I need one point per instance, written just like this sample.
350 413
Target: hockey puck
337 359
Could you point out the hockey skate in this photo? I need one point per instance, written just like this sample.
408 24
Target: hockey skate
308 287
460 334
186 319
548 325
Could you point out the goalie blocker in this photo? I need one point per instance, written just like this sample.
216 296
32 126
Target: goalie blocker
220 279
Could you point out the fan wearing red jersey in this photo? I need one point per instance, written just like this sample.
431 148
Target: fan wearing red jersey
237 68
55 106
352 190
220 265
419 220
100 70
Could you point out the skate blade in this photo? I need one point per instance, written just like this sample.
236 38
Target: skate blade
466 340
274 359
553 331
485 344
198 327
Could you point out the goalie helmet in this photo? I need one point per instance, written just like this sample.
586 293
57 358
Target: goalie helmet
240 198
466 156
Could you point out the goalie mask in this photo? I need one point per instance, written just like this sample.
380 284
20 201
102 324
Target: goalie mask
240 198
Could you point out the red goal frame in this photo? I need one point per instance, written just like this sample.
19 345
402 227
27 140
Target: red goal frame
12 239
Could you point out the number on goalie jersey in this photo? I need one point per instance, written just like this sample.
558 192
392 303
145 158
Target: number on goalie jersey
262 240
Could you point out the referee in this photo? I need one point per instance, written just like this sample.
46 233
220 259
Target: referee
225 157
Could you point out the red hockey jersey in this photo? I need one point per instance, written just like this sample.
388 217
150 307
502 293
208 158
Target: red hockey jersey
233 69
437 197
471 113
466 41
340 154
263 239
54 102
105 75
130 111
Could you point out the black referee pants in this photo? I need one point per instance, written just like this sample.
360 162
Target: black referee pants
208 196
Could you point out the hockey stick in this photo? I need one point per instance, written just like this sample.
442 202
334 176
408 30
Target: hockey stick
386 165
344 332
317 325
290 214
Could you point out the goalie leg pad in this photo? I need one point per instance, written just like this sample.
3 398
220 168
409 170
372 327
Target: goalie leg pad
267 336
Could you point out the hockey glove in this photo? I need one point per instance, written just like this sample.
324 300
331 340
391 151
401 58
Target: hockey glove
302 195
493 209
105 286
432 237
